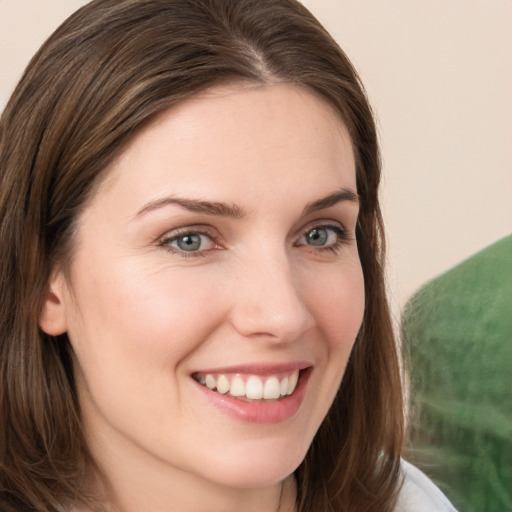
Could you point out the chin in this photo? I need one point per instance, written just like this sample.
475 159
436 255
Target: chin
256 468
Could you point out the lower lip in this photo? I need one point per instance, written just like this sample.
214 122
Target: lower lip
260 412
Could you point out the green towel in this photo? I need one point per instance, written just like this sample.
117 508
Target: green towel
457 332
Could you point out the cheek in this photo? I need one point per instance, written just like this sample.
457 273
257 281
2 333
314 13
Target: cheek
338 307
175 308
337 303
142 319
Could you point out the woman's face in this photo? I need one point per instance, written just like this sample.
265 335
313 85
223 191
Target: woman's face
217 258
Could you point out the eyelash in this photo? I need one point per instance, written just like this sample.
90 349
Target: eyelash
342 237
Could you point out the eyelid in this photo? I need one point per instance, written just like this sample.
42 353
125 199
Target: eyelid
200 229
322 223
340 230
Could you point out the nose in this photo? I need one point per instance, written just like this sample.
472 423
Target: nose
269 300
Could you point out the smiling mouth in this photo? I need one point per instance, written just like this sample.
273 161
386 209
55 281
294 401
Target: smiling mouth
247 387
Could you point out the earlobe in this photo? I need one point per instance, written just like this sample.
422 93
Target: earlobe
53 314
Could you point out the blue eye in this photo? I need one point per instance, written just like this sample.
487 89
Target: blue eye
323 237
317 236
191 242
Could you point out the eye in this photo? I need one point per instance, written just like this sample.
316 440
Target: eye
190 243
324 237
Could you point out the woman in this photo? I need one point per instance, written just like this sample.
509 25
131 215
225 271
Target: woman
193 308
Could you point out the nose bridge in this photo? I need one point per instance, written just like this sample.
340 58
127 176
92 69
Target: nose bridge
269 301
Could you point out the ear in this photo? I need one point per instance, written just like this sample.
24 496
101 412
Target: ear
53 314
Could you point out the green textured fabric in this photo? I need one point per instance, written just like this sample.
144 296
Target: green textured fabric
457 332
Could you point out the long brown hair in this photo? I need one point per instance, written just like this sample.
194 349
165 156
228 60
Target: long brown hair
111 66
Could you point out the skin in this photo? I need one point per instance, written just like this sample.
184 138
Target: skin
143 315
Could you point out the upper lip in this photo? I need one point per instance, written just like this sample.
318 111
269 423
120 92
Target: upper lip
258 368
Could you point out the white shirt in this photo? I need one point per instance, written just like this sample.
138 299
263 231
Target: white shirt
420 494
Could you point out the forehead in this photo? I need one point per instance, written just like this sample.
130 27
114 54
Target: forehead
254 134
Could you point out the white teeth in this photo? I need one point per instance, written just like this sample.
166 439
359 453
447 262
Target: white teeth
292 382
284 386
210 381
253 388
222 385
272 388
237 387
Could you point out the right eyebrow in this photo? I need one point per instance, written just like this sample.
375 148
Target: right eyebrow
195 205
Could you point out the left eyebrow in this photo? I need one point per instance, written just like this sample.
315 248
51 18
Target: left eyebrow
345 194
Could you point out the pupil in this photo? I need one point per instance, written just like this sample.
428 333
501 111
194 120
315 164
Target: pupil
189 242
317 237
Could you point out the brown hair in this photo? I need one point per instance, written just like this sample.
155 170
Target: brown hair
111 66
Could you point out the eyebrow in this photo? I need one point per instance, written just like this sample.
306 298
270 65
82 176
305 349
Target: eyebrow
195 205
345 194
234 211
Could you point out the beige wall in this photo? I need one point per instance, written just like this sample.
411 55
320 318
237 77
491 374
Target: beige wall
24 25
439 75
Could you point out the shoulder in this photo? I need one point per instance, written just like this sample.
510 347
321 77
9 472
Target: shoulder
420 494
